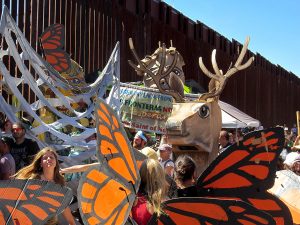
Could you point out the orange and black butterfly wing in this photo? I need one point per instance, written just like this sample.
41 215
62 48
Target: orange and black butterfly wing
107 192
249 165
270 204
203 211
52 43
103 198
114 148
246 170
31 201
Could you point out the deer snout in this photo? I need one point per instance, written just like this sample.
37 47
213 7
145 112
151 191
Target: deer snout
176 128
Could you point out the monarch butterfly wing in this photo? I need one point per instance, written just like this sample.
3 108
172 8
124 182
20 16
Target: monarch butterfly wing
52 43
53 37
270 204
114 148
251 164
246 171
103 198
31 201
198 211
107 192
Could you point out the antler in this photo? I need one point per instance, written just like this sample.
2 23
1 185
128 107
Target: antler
218 78
161 73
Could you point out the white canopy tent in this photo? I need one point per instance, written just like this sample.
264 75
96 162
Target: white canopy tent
234 118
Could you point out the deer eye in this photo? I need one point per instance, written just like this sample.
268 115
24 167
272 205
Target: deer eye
204 111
163 84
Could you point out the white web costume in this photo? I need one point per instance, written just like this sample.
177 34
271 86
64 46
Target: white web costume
36 72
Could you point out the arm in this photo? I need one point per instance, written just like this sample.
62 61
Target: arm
77 168
68 216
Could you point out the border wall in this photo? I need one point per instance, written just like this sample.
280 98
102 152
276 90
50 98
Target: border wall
265 91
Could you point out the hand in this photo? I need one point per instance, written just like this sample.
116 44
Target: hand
62 171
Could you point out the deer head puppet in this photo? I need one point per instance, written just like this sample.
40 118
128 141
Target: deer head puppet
162 70
194 126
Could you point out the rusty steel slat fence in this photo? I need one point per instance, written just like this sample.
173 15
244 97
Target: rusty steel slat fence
264 91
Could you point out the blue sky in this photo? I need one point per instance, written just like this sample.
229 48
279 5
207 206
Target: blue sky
273 25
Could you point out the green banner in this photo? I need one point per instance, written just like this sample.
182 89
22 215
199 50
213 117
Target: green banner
145 110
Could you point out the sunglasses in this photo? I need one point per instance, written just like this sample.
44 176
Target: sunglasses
18 129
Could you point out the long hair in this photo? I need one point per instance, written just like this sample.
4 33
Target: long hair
153 183
34 170
184 168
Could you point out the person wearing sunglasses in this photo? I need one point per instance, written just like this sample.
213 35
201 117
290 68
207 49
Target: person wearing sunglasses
23 149
7 162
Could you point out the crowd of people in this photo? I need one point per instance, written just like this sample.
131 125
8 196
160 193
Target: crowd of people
21 158
17 151
290 156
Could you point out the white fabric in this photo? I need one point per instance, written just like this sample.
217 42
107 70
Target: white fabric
234 118
290 158
45 75
229 121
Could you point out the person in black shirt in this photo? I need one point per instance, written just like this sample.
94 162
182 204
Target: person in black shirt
23 149
185 176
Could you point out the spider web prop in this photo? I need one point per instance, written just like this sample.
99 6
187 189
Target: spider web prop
37 74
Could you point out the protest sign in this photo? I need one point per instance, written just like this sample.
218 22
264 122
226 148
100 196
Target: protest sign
144 110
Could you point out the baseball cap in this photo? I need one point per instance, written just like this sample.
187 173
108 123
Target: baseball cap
164 147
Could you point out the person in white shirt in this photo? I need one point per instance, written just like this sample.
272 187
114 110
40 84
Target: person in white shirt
165 160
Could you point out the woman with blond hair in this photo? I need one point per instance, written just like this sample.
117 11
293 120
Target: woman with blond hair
151 192
150 153
45 166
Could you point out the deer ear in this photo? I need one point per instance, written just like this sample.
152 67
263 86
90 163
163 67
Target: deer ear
176 84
